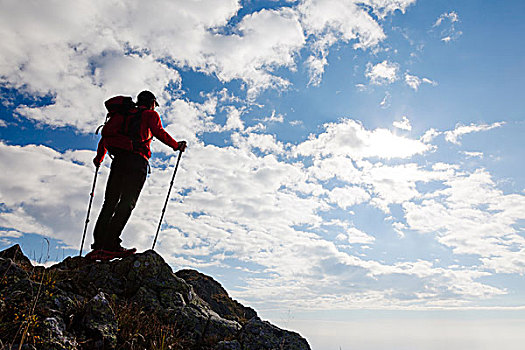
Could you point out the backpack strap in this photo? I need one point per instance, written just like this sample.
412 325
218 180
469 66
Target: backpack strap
102 125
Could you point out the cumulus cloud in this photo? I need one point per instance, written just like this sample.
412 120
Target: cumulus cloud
269 38
227 210
403 124
329 21
40 199
350 138
383 73
455 135
355 236
234 121
258 208
472 216
346 197
429 135
79 56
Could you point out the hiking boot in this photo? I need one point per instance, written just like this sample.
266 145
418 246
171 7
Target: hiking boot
121 252
106 255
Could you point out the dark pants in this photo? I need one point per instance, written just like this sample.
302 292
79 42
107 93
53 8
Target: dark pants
126 179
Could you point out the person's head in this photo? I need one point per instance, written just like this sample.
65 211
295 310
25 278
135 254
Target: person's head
147 99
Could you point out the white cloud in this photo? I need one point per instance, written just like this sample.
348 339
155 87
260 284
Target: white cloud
398 184
451 16
229 203
429 135
473 154
383 73
350 138
472 216
455 135
385 102
403 124
355 236
345 197
250 204
315 67
448 21
384 7
234 121
264 142
34 192
274 118
79 56
330 21
269 38
399 227
10 233
79 99
363 87
414 82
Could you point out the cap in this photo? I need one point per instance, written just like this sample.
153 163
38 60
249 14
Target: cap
146 97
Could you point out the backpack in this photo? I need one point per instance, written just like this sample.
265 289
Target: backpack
121 128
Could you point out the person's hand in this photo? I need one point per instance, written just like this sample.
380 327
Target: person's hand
182 146
97 162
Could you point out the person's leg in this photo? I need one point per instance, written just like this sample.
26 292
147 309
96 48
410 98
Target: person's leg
111 197
132 185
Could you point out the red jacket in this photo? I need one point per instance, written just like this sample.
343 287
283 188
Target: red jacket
150 126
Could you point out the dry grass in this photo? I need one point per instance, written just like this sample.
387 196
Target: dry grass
138 329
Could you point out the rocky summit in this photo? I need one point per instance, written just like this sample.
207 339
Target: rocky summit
132 303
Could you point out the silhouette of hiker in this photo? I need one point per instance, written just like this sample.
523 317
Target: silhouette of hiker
130 150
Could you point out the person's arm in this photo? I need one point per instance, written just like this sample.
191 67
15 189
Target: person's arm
101 152
158 131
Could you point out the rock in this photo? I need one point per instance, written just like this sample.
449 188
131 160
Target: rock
200 325
228 345
55 334
99 323
136 302
216 296
15 254
258 335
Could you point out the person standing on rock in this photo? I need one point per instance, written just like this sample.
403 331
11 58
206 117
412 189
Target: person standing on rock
127 136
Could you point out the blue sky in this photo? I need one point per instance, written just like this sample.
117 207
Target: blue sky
350 163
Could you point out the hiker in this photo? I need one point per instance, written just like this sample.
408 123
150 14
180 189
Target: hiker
130 151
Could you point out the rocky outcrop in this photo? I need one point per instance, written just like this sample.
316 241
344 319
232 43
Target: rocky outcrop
132 303
216 296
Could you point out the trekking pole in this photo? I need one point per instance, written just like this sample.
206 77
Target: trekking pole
92 194
167 198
